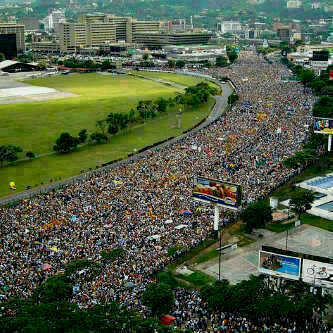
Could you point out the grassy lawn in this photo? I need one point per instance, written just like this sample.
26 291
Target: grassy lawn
185 80
53 167
35 126
313 220
197 279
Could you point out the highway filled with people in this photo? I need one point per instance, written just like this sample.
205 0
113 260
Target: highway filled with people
145 206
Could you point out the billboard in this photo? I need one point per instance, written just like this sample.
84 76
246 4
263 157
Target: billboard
323 125
279 265
218 192
320 55
317 273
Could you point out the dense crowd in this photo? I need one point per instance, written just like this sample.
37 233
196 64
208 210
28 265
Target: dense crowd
139 206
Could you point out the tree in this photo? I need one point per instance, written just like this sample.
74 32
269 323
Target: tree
159 298
221 61
232 54
233 98
9 153
101 125
30 155
65 143
307 76
180 63
301 201
162 105
171 63
98 138
42 65
2 57
83 135
54 289
256 215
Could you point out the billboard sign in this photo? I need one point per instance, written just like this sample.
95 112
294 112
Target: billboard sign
317 273
217 192
279 265
331 75
323 125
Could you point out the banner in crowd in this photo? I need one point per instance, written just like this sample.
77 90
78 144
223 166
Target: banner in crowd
323 125
317 273
218 192
279 265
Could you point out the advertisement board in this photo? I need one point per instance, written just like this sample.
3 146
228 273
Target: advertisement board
317 273
279 265
218 192
323 125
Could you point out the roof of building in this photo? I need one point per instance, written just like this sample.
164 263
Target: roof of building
7 63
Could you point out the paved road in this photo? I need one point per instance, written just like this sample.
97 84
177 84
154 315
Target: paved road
219 107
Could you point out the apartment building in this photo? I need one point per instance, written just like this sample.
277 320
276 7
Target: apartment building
99 33
72 36
11 39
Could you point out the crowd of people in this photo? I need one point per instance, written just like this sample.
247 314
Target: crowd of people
139 206
192 314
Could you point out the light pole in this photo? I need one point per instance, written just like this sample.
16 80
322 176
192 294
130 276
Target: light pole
220 252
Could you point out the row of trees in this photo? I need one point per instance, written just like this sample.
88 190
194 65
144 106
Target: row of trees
66 142
255 299
145 110
75 63
259 214
10 153
322 87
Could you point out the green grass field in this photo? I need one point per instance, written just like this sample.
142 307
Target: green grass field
35 126
184 80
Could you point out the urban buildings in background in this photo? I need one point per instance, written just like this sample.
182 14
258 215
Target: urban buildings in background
96 30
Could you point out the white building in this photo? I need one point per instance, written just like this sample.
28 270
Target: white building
315 5
294 4
56 17
229 27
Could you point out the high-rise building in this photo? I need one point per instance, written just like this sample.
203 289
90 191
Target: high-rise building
229 27
77 35
294 4
56 17
11 39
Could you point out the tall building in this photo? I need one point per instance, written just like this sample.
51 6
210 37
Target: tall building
73 36
229 27
100 33
294 4
56 17
11 39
